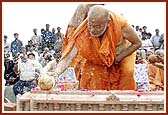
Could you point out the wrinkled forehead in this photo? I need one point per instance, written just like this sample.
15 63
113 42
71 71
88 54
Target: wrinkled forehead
96 20
98 17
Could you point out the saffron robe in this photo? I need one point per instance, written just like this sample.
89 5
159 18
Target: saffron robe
98 71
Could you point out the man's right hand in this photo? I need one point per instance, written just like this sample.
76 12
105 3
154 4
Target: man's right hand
54 74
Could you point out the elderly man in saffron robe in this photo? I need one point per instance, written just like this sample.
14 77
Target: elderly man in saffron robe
108 44
79 16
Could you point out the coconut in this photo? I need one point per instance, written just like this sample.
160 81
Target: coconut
46 82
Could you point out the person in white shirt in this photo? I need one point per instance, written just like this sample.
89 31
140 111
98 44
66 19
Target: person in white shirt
28 70
32 50
146 42
137 30
155 39
146 45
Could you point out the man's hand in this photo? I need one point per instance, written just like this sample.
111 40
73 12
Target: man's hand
55 74
56 78
55 82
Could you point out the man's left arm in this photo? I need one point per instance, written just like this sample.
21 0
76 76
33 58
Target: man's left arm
129 34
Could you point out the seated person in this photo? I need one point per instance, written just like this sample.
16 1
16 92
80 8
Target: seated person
28 69
156 72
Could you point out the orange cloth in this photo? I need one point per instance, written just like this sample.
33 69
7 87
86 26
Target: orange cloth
156 76
98 71
78 61
126 68
68 34
152 70
159 79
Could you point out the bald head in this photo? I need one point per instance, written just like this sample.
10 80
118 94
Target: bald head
98 18
152 58
80 14
98 11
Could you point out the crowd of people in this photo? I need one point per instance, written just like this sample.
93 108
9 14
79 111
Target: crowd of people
151 53
23 64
